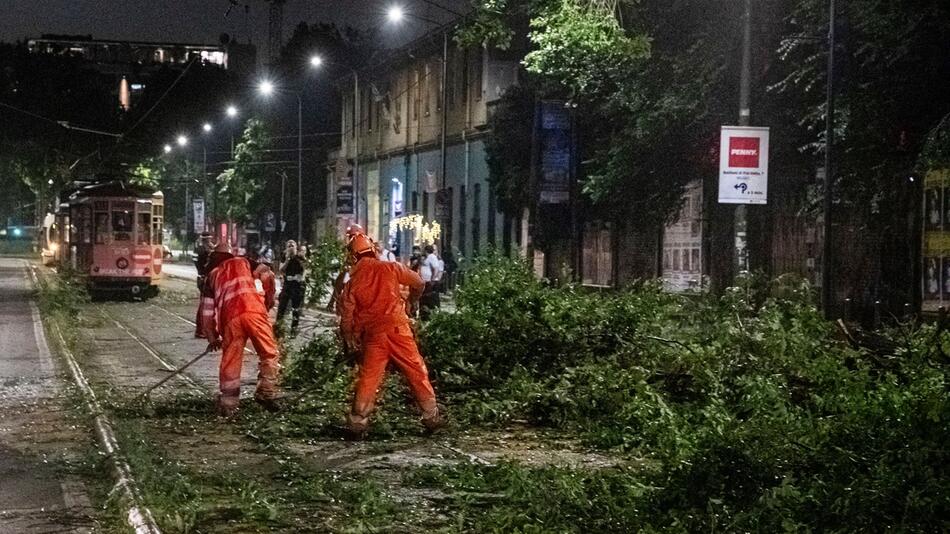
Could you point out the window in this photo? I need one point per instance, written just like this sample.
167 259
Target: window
102 228
491 216
122 213
415 201
462 210
427 81
451 91
476 218
143 230
416 92
85 225
477 65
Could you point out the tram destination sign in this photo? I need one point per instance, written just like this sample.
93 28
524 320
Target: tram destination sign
744 165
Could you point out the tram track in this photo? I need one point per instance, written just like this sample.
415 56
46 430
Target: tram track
155 354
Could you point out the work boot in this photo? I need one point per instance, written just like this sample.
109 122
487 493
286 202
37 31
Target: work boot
432 418
357 427
226 405
270 403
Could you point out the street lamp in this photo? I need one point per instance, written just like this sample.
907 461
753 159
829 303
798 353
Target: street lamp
182 140
395 14
231 111
267 88
168 148
206 127
317 61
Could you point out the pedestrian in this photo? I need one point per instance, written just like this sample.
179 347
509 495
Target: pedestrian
292 291
267 254
374 323
431 273
202 252
383 252
233 312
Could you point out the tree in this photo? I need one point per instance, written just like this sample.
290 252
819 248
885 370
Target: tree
241 188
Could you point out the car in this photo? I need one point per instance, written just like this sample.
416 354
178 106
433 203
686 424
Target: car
166 252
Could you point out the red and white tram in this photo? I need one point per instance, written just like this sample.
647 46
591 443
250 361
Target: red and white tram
114 236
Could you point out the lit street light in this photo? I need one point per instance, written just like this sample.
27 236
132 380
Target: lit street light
394 14
231 111
266 88
182 140
168 148
317 61
206 127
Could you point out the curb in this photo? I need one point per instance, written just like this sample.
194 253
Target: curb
138 517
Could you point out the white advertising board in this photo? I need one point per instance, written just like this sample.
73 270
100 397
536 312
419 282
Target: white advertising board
743 165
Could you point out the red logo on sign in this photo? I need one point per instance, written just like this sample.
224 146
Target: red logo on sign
744 152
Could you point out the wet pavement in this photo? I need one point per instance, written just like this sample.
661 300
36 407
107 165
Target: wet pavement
37 435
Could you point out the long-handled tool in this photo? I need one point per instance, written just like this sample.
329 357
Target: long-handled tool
175 373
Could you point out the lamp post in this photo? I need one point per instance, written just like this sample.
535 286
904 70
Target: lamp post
267 88
317 61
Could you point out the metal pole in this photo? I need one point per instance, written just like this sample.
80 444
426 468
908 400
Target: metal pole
745 115
827 293
356 156
204 183
299 169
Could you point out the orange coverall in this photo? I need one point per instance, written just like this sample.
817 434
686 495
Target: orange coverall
373 317
232 307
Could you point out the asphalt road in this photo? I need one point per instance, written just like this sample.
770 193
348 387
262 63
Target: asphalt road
36 439
180 270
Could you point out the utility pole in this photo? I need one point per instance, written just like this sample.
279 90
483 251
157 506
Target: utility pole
745 115
299 169
358 130
827 291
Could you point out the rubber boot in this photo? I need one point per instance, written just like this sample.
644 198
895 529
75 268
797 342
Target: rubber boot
268 394
226 405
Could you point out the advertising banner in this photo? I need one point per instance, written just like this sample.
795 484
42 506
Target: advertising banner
343 181
198 210
743 165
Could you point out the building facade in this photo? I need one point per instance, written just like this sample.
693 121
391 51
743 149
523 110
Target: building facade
392 124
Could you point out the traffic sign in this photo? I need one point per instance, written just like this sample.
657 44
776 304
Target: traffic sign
743 165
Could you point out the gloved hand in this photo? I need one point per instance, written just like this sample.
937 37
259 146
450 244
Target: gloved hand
214 344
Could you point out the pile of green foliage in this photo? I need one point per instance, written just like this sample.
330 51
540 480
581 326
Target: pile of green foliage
322 268
756 415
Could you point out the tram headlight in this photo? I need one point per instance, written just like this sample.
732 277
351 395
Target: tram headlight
122 263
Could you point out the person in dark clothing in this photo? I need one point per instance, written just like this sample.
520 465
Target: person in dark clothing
202 253
293 289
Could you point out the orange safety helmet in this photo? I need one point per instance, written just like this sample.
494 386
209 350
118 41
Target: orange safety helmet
360 244
354 230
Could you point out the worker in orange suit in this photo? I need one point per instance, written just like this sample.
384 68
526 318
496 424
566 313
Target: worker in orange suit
373 321
233 312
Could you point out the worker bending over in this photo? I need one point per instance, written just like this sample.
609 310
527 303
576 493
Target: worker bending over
373 321
232 311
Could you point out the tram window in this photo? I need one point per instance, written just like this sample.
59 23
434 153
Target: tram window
122 225
143 231
85 225
157 230
102 228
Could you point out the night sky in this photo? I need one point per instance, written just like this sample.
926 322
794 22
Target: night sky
194 21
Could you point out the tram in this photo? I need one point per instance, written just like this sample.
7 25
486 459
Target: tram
113 235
